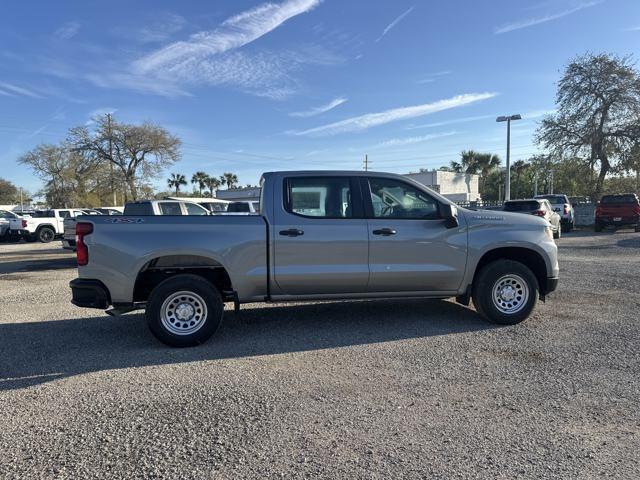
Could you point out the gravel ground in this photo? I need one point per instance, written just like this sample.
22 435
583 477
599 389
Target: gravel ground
369 389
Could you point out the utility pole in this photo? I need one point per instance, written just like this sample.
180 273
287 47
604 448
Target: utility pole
507 184
21 203
366 162
113 188
535 185
551 187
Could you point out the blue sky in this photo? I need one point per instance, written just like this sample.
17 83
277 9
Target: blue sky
252 86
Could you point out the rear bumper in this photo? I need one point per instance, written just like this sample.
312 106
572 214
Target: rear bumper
611 220
89 293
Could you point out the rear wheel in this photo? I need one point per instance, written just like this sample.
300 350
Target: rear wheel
184 311
505 292
46 234
637 229
598 227
558 233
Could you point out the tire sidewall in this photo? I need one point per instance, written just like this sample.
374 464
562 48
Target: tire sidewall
185 282
483 290
41 231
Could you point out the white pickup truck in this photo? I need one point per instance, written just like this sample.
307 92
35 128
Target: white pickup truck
43 225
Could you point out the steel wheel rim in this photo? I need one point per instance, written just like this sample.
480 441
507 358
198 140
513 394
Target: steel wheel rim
183 313
510 294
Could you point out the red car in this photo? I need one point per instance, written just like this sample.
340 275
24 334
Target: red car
618 211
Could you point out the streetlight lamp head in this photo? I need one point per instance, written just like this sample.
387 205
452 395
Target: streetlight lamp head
504 118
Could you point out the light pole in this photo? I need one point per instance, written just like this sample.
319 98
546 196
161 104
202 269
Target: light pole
507 182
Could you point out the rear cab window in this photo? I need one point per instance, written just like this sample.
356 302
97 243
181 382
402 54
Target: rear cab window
142 208
526 206
631 199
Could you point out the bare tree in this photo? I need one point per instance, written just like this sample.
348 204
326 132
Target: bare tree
598 112
137 152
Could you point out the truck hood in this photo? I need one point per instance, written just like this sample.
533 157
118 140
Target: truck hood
499 217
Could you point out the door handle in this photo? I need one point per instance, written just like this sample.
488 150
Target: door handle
292 232
384 231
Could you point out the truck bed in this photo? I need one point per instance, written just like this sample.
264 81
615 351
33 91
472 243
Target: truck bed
121 247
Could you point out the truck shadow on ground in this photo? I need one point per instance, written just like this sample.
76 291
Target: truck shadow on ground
37 265
32 353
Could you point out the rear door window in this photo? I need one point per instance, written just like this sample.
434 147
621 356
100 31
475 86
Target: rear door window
170 208
325 197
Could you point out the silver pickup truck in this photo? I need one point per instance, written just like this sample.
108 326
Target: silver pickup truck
319 235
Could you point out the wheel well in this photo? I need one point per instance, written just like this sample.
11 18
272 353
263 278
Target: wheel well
526 256
46 225
159 269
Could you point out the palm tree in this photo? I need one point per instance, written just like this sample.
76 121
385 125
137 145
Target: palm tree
519 167
212 183
199 178
229 179
485 164
455 166
469 161
176 181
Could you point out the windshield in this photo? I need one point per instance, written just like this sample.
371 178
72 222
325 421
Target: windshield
555 198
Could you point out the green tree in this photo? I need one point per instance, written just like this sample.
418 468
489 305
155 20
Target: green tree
137 152
8 192
200 178
519 169
176 181
598 112
229 179
212 183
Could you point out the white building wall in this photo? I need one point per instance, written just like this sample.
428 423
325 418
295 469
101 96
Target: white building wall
458 187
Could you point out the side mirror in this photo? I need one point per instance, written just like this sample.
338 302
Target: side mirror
450 215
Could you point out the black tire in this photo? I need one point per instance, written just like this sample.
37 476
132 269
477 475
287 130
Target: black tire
46 235
488 278
558 233
30 238
598 227
191 284
637 229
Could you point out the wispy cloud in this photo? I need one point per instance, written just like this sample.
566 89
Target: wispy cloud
321 109
364 122
10 90
451 122
161 28
398 142
394 23
233 33
98 112
67 31
432 77
632 29
530 22
213 57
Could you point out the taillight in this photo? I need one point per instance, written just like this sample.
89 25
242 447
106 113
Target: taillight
636 210
24 224
82 252
566 209
539 213
598 211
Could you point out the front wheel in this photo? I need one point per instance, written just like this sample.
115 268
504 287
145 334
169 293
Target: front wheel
505 292
184 311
